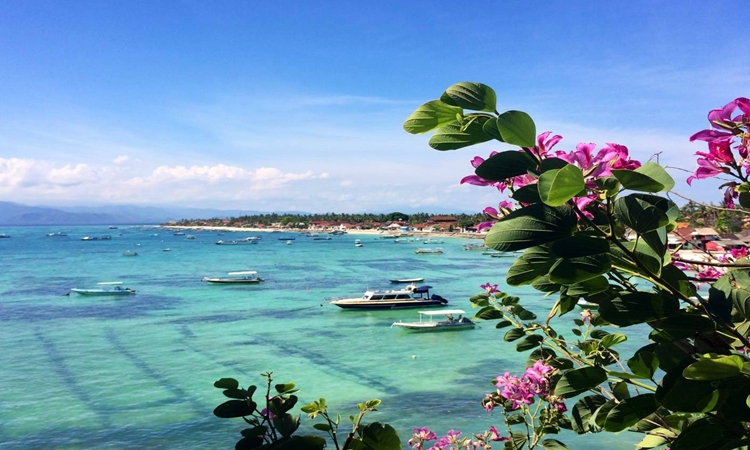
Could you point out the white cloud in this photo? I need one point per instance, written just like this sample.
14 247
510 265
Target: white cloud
121 159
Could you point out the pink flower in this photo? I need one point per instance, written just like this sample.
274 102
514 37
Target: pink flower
490 288
544 143
586 315
739 253
707 168
709 273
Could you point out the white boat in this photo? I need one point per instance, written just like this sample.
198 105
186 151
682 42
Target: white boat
450 319
57 234
190 236
106 288
97 238
357 243
474 246
427 251
246 241
129 253
407 280
289 242
241 277
432 241
410 297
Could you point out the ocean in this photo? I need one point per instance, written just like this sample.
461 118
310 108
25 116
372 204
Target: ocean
82 372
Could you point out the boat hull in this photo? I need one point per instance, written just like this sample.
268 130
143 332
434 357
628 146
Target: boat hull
102 292
407 280
435 326
387 304
233 281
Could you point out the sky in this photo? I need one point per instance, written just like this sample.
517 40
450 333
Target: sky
299 106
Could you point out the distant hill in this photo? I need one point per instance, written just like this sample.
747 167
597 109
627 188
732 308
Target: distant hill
19 214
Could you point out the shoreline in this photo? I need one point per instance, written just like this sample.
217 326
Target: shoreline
429 234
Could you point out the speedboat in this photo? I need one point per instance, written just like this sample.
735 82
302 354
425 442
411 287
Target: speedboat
449 321
129 253
357 243
407 280
242 277
57 234
97 238
474 246
106 288
3 235
410 297
427 251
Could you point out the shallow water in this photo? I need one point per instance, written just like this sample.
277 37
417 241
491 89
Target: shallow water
137 372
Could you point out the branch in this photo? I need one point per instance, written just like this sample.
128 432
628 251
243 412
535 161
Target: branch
707 205
709 263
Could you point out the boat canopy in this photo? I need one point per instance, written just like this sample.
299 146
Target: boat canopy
109 282
244 272
421 289
442 312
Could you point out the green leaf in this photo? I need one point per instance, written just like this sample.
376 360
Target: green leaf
677 393
553 444
234 408
613 339
705 434
582 412
286 424
377 436
490 128
283 388
456 135
639 215
527 194
504 165
576 381
514 334
644 362
227 383
651 177
431 115
531 226
489 313
503 324
470 95
629 411
578 270
655 440
557 186
588 287
579 245
308 442
714 367
637 307
533 264
529 342
517 128
744 199
657 240
322 427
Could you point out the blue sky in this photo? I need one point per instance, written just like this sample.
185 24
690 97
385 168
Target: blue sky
299 105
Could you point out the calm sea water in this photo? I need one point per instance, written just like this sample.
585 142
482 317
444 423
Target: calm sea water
137 372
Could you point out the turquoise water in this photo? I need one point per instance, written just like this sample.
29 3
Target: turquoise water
137 372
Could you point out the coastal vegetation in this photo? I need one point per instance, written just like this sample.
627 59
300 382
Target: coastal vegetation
568 214
363 221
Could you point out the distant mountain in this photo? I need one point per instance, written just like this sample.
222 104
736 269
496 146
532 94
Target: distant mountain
18 214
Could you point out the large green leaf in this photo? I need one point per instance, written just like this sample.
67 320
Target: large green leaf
637 307
234 408
227 383
707 434
504 165
456 135
588 287
629 411
557 186
527 194
639 215
577 270
553 444
576 381
431 115
677 393
531 226
470 95
579 245
533 264
377 436
651 177
308 442
582 412
517 128
529 342
490 127
714 367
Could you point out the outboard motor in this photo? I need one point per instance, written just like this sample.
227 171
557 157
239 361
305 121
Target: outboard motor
437 297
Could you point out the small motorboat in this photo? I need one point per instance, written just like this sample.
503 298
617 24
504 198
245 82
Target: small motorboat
407 280
429 251
412 296
452 319
105 288
241 277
